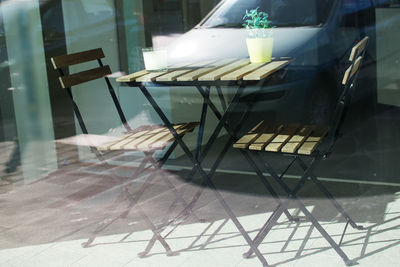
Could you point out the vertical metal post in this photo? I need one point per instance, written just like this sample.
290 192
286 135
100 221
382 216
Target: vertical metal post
197 165
202 123
221 97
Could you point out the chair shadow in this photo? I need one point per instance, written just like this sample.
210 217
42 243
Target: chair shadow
325 215
215 237
366 204
351 242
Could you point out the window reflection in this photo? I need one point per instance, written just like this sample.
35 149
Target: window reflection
52 192
282 13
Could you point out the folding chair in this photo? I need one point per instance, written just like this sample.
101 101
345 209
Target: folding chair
295 141
147 139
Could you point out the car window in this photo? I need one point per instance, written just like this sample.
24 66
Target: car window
282 13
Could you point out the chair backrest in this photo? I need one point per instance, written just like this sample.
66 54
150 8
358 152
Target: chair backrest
348 84
67 81
359 48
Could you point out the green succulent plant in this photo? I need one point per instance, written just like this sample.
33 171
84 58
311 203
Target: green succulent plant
256 22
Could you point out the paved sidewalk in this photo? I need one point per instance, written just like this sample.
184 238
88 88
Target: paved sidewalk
45 223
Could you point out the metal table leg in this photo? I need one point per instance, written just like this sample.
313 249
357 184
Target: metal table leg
196 163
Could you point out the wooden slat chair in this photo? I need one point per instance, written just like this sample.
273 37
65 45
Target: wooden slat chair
147 139
298 141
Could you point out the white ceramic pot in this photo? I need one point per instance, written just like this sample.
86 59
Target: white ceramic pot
260 49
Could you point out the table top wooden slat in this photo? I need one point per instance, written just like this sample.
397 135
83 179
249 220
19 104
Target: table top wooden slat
151 77
194 75
181 70
225 70
132 77
216 74
266 70
146 76
243 71
169 77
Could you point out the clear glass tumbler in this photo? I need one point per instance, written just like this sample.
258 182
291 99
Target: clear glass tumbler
155 60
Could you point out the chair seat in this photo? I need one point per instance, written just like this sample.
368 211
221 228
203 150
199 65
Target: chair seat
291 138
147 138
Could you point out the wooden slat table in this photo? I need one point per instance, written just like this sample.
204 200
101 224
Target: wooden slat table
224 70
235 73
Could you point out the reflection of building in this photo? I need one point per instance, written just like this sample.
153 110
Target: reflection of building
33 109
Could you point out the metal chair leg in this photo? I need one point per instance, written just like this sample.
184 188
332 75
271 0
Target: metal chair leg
120 198
292 196
133 201
156 236
344 231
267 184
331 198
265 229
232 134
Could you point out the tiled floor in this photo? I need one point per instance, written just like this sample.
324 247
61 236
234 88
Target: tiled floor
218 244
46 223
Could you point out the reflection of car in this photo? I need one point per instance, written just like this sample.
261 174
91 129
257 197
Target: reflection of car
317 33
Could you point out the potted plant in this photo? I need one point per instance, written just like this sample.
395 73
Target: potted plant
260 41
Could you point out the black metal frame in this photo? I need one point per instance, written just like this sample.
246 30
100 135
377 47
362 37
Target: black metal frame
340 112
199 156
125 194
255 160
197 162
